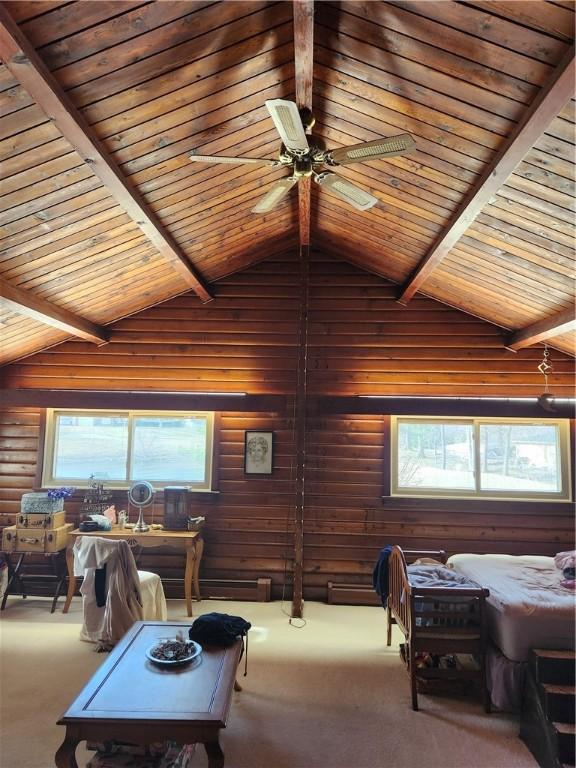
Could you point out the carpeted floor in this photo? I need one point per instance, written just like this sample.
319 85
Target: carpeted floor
327 695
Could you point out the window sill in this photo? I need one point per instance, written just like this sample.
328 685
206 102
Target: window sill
513 506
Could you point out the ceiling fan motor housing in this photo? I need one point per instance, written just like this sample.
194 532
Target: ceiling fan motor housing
302 166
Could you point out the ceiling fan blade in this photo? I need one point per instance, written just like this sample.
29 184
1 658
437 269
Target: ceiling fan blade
346 191
288 123
223 159
372 150
274 195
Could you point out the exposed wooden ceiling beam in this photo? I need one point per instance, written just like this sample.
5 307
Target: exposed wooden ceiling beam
303 59
545 329
545 107
21 59
26 303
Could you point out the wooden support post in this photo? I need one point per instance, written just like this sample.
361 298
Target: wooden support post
300 436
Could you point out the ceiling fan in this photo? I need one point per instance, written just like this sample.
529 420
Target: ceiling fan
305 157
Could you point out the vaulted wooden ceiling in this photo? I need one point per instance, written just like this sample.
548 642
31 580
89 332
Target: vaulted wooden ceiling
101 103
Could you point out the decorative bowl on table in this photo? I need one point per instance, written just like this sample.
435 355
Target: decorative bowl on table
173 651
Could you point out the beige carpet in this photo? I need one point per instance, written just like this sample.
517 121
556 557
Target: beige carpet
328 695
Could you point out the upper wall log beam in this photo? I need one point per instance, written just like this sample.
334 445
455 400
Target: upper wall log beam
23 62
26 303
543 330
152 401
545 107
316 405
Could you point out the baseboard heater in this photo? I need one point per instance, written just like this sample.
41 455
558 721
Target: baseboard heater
258 590
352 594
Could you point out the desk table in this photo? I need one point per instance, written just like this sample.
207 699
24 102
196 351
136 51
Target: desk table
129 698
190 541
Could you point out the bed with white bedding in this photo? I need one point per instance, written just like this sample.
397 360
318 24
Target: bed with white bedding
527 608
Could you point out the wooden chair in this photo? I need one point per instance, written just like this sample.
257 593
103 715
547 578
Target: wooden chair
128 595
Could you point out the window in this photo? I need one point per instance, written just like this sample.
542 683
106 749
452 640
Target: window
481 457
122 446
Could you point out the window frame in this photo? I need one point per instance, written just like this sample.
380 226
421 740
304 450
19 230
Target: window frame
564 463
51 438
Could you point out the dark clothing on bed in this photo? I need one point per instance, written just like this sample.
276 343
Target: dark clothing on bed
380 574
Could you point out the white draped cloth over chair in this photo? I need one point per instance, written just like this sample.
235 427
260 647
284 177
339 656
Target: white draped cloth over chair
115 593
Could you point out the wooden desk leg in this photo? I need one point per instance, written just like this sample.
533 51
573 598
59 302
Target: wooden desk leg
198 552
215 754
188 574
66 755
71 579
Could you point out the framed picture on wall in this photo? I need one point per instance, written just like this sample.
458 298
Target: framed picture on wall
258 452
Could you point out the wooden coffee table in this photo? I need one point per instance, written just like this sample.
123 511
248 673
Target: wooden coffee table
131 699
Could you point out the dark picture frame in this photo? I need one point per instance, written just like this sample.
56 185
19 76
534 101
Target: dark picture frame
258 452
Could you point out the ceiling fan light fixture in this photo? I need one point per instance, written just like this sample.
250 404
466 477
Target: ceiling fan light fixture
346 191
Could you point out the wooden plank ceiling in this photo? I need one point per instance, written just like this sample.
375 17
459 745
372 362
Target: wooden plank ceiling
102 213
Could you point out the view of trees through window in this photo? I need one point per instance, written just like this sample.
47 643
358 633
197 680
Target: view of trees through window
477 455
169 449
123 447
435 455
91 445
519 457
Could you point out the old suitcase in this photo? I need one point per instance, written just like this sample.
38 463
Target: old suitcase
40 520
20 540
16 539
58 538
40 503
9 538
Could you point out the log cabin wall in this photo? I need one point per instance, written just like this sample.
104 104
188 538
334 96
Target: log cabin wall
244 341
360 342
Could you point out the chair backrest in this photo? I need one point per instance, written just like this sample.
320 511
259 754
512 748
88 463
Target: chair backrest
97 551
122 604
